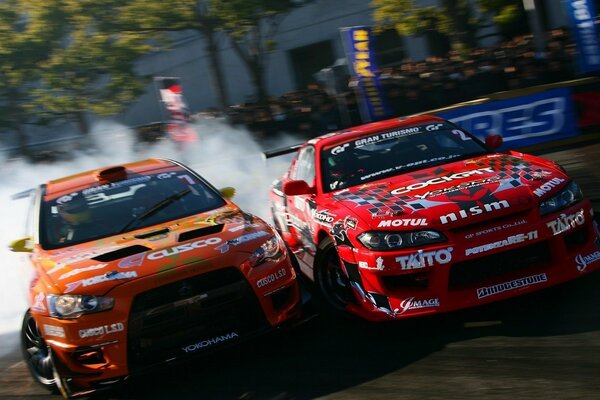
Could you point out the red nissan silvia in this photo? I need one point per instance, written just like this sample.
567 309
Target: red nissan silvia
415 216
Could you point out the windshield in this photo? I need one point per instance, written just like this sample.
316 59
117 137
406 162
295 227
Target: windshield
109 209
390 153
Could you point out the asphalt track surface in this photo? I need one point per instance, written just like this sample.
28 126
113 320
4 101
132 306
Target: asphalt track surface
545 345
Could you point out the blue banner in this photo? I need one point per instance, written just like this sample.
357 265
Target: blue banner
581 16
522 121
358 45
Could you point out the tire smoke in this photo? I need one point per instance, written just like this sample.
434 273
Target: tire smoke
223 155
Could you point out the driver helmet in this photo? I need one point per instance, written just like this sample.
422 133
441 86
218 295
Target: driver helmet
75 211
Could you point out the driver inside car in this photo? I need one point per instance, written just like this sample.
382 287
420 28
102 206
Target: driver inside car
75 219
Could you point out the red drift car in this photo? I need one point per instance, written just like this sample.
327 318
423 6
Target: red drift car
142 264
410 217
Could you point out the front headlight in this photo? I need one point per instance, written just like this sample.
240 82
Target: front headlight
272 249
376 240
69 306
569 195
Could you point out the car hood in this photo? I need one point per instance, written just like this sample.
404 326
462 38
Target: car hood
96 267
454 194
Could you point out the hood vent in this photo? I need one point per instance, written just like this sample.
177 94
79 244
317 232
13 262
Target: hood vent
196 233
120 253
147 235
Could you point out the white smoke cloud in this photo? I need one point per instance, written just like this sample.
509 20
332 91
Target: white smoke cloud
223 155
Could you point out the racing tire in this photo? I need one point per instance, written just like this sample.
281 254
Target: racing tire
39 359
332 283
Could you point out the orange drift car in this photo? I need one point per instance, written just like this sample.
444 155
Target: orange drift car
142 264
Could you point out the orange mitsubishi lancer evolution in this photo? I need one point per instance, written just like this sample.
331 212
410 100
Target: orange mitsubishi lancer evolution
141 264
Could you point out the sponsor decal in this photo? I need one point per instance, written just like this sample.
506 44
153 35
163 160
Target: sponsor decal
209 342
379 264
323 216
51 330
166 175
472 211
56 268
566 222
584 260
113 185
402 222
461 134
224 248
80 270
441 179
506 286
275 276
456 188
386 136
539 175
109 276
486 231
433 127
422 259
182 248
39 302
132 261
412 304
509 241
339 149
350 223
101 330
548 186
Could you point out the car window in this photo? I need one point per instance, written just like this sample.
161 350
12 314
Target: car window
305 166
388 153
108 209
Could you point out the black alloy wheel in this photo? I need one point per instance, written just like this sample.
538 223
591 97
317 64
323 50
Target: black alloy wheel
332 282
37 354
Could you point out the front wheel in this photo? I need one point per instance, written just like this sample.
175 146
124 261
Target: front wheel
38 357
332 282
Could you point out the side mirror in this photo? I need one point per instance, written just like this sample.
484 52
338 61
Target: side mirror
23 245
295 188
493 141
227 192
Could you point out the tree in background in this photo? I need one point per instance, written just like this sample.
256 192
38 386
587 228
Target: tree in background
92 69
459 20
28 31
252 26
167 16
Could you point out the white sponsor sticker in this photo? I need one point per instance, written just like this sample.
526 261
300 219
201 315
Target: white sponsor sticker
507 286
51 330
101 330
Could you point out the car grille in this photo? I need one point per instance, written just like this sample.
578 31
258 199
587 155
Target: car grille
209 309
480 269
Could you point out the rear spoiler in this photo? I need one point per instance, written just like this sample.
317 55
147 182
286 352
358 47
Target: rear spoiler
281 151
22 195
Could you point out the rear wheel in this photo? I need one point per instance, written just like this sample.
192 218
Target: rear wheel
331 280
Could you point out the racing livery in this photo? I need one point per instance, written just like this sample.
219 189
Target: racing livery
415 216
141 264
